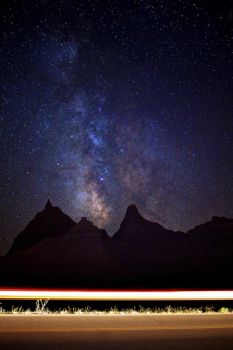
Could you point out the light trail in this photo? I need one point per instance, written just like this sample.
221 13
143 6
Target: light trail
115 295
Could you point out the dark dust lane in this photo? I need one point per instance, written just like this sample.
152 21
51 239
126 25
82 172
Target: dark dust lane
117 332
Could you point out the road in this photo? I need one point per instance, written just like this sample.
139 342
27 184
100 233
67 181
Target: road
212 331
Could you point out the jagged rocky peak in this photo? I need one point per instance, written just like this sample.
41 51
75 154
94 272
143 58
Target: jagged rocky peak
50 209
135 227
85 229
51 213
86 225
49 222
132 213
48 205
132 225
132 210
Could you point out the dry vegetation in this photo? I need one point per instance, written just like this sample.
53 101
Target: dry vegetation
40 308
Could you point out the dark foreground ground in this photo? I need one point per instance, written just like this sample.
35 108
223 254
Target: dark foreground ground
213 331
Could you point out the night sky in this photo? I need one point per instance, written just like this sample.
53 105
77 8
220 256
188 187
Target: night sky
108 103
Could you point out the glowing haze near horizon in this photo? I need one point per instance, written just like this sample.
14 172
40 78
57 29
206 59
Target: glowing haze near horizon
105 103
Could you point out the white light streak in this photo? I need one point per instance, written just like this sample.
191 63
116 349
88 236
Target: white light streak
115 295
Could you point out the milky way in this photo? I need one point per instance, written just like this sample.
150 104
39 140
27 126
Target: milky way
105 103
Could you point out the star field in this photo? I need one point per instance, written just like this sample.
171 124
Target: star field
105 103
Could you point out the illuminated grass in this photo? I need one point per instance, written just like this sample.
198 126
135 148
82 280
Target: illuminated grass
40 309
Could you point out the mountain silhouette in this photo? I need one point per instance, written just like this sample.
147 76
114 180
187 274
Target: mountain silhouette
135 227
217 228
54 251
86 230
48 223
